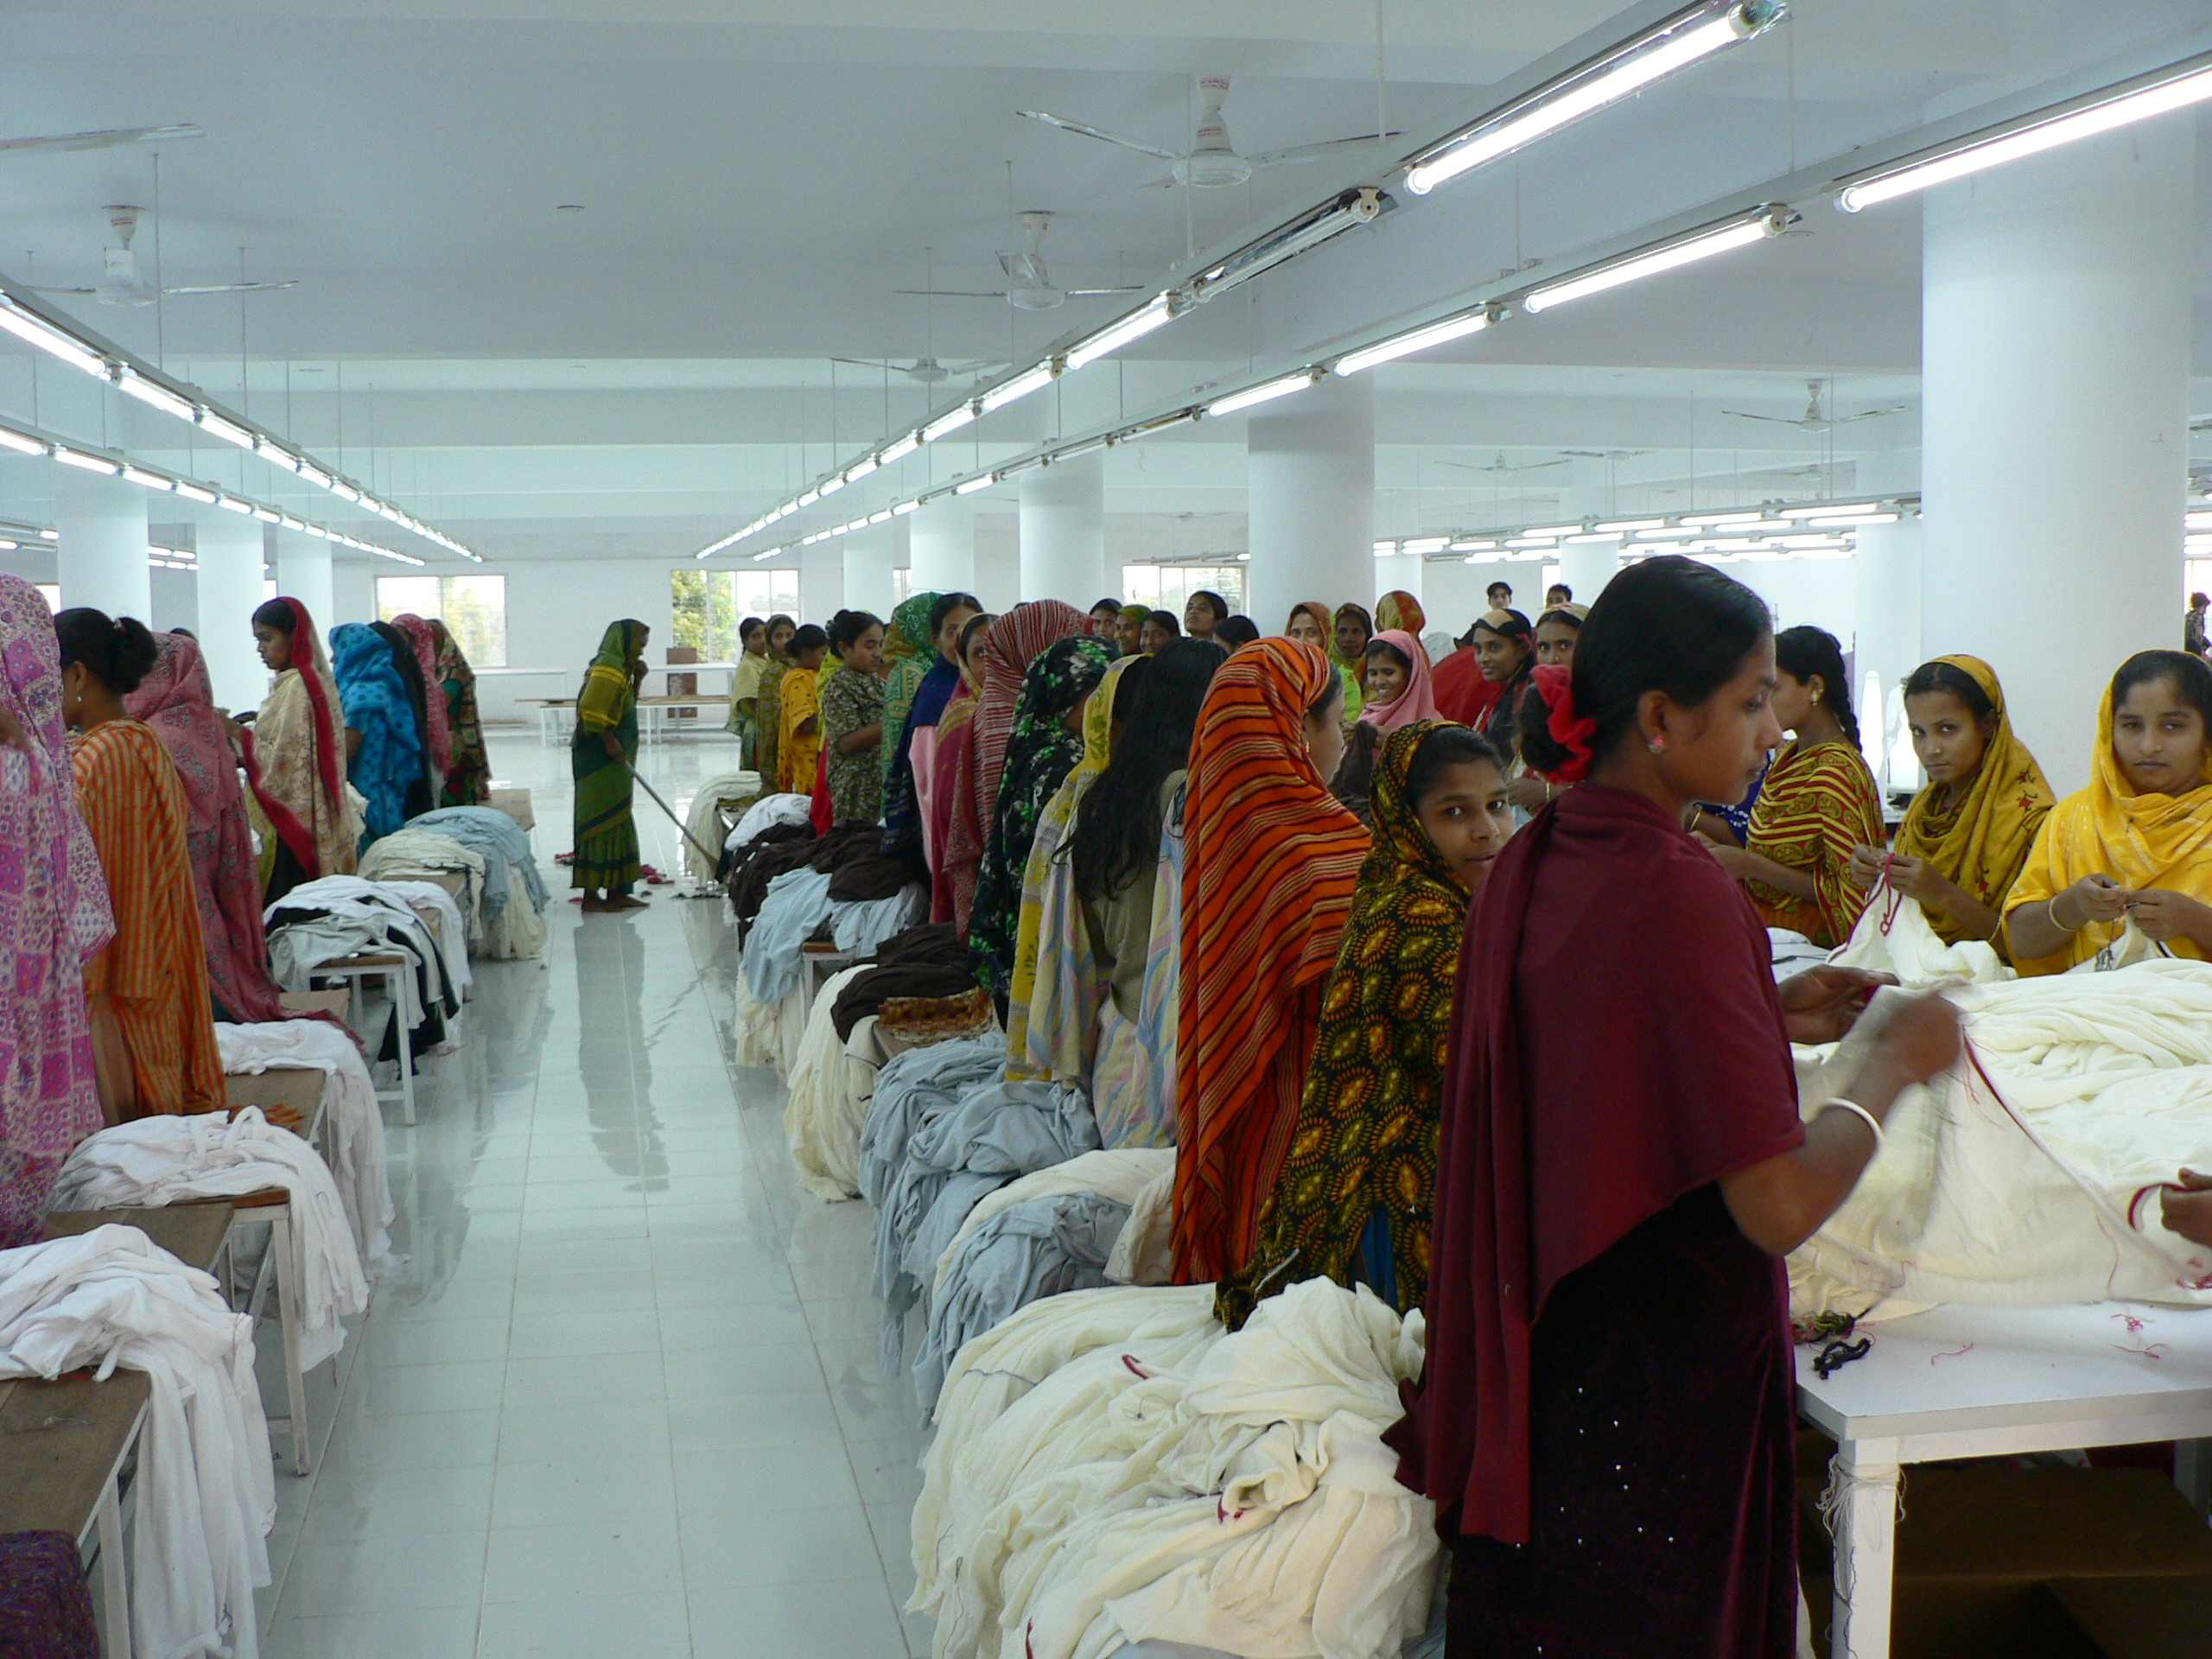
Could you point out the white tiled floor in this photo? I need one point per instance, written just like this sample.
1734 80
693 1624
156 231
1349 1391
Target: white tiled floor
623 1399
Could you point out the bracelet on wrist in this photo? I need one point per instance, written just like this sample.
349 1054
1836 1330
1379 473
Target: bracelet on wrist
1838 1104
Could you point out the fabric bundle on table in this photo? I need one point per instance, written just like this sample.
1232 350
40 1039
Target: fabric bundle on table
797 904
349 1112
205 1497
417 853
162 1160
822 1117
508 934
703 822
769 812
339 916
1121 1174
2034 1186
1227 1491
859 927
777 850
928 960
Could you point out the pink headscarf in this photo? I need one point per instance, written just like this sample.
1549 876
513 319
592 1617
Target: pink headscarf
53 915
175 700
1010 645
424 639
1417 701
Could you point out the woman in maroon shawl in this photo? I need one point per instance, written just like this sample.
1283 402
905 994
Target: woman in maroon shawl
1605 1418
175 701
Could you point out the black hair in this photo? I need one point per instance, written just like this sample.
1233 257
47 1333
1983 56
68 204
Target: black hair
275 614
119 650
1449 745
808 637
1803 651
2198 602
1560 614
1561 588
1949 678
1516 626
1366 622
1116 833
1333 697
1218 605
2191 677
946 604
981 619
847 626
1384 648
1237 630
1666 623
745 628
1494 586
1112 604
1168 624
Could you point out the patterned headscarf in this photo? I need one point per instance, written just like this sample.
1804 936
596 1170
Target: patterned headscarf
175 700
1418 700
1365 1140
423 635
1268 863
468 780
1014 642
910 654
1400 610
296 759
379 706
1039 757
53 915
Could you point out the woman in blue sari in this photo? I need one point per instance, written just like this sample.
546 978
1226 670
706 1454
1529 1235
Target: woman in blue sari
383 744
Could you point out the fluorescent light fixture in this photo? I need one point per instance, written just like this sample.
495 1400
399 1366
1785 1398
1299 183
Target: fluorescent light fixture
1590 535
78 458
1362 205
200 492
883 516
2199 520
1154 313
766 553
1034 379
897 449
1532 541
290 522
1464 545
951 421
1142 429
18 443
860 468
982 481
267 515
140 476
314 475
153 394
1457 327
1621 526
1829 508
318 532
1707 520
232 503
344 491
36 331
7 546
1385 550
806 498
1825 521
1081 448
1244 558
2175 86
1677 251
1425 545
902 508
1553 531
276 455
228 430
1670 45
1266 391
50 535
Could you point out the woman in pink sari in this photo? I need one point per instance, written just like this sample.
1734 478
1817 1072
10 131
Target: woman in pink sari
175 700
53 916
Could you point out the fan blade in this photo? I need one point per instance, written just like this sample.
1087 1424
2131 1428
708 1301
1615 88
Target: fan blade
865 362
1065 125
1089 293
955 293
233 288
64 290
977 367
1779 420
104 140
1309 152
1869 415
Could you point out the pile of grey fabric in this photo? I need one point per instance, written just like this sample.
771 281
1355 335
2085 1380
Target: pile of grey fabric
500 840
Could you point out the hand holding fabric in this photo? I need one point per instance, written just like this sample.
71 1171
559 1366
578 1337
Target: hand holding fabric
1821 1004
2186 1207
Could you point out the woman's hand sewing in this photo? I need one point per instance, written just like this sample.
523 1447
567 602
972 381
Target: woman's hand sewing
1821 1004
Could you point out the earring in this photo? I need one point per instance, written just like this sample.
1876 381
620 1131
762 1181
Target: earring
1657 746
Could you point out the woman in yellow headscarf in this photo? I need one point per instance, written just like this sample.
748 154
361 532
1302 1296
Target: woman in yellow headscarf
1968 834
799 712
2135 847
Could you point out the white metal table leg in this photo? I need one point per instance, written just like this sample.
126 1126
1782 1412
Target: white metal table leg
288 1319
405 1050
1866 1541
115 1575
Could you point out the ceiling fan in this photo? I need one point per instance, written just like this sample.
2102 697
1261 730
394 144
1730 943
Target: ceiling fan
1029 285
1211 161
1501 465
107 139
122 284
1812 420
926 370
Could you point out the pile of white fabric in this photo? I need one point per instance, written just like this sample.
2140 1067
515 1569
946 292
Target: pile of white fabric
157 1160
206 1498
2030 1178
1111 1466
508 931
832 1080
703 821
768 1033
767 811
363 916
350 1115
415 854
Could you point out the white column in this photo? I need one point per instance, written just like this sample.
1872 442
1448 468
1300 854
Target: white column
2055 357
1064 532
941 548
870 556
820 581
101 557
303 573
1310 482
1585 567
230 591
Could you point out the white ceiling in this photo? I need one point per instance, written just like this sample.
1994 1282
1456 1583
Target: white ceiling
757 178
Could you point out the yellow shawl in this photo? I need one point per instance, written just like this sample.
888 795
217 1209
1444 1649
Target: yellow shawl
2141 841
286 753
1043 867
796 755
1980 844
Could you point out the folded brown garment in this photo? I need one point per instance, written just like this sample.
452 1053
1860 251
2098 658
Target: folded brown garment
925 963
777 849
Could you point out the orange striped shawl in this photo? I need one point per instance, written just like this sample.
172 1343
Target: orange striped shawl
1270 861
155 969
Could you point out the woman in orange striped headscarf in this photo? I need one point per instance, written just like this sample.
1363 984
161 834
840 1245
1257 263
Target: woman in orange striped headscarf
1270 859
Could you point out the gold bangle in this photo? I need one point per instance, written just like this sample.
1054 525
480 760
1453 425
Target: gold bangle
2050 911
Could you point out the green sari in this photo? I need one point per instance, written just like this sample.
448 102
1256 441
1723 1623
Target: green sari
605 834
910 653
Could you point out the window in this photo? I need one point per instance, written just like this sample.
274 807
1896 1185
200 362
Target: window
1172 585
51 593
709 604
474 609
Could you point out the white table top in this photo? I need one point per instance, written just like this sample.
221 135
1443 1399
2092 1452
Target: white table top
2028 1366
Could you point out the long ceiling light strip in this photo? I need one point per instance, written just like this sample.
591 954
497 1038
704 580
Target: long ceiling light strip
1670 255
2175 86
94 356
1686 37
18 438
1459 326
1813 530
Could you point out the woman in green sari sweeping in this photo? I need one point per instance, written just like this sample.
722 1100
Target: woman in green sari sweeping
600 758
